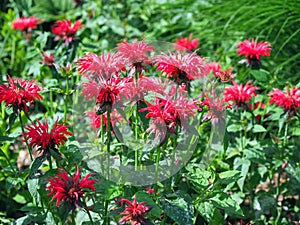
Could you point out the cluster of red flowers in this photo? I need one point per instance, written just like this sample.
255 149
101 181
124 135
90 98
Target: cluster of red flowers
108 88
63 29
19 94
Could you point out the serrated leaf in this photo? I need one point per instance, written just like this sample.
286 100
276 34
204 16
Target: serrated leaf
224 201
230 176
33 186
261 75
179 210
145 197
243 165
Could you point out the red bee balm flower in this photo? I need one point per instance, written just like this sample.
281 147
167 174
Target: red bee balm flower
105 65
186 43
134 212
19 93
25 23
107 92
135 52
217 107
65 30
288 100
182 67
253 49
39 135
70 189
240 94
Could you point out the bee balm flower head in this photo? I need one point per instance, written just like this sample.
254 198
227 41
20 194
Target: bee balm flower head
25 23
70 190
240 94
40 136
19 94
134 212
253 51
288 99
63 29
186 43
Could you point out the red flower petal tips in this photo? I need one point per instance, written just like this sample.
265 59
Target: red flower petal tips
252 49
65 30
288 99
240 94
135 52
186 43
182 67
134 212
19 94
70 190
40 136
25 23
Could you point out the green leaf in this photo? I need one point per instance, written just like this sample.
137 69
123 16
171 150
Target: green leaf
6 139
293 171
13 182
36 165
243 165
234 128
224 201
210 213
263 201
33 186
145 197
20 199
230 176
179 209
258 128
261 75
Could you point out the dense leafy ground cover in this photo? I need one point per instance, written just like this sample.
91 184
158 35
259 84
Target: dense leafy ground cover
112 113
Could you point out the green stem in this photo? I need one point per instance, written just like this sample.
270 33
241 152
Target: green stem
23 131
285 135
90 217
108 143
157 164
106 218
136 155
172 162
7 159
67 99
51 102
50 163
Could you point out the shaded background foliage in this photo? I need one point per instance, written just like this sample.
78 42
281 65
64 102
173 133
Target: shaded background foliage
218 24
